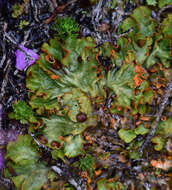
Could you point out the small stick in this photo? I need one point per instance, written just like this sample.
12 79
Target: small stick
54 3
162 106
160 12
4 54
61 171
7 183
58 9
97 10
1 114
35 10
3 44
39 144
5 81
27 56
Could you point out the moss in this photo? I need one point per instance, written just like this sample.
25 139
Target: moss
65 27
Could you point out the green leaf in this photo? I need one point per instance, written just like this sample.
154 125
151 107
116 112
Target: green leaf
53 48
56 154
161 50
167 26
148 96
36 180
83 75
159 143
164 128
151 2
162 3
27 172
126 135
41 104
142 109
122 84
22 151
125 49
87 164
23 23
42 85
142 15
73 146
22 112
17 10
75 48
113 4
28 176
141 21
142 52
134 155
128 24
141 130
61 126
18 180
76 102
104 184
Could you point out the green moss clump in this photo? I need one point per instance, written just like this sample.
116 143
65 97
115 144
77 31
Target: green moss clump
87 164
22 112
65 27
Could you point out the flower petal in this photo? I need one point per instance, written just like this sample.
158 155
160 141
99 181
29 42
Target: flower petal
24 60
1 161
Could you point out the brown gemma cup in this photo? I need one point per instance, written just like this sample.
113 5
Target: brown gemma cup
81 117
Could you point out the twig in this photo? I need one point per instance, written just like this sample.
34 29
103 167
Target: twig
96 13
64 172
2 91
1 115
39 145
35 10
58 9
7 183
27 56
116 166
10 38
160 12
54 3
4 54
60 169
3 45
26 36
5 80
162 106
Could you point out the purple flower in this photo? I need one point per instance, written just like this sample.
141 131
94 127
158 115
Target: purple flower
25 57
2 164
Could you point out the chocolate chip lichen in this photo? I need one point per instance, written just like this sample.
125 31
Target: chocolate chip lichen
71 89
